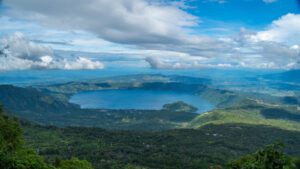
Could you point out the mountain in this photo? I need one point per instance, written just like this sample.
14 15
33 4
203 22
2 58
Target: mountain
30 100
49 105
49 109
292 76
125 82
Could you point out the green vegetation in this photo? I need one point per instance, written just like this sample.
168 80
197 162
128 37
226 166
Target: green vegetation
207 146
15 154
49 105
179 106
73 163
171 138
277 113
255 114
270 157
44 108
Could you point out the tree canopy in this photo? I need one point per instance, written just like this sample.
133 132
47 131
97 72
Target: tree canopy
15 154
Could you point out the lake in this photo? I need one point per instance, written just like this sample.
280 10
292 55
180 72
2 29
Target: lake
137 99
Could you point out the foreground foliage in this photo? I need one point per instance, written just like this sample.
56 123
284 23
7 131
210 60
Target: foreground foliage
270 157
207 146
186 148
14 154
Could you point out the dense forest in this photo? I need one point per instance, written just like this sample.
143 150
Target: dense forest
16 154
212 146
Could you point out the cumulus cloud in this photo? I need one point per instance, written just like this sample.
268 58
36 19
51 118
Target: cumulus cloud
285 29
122 21
244 52
24 49
18 53
160 33
83 63
247 50
182 63
163 63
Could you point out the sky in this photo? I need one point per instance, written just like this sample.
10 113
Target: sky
159 34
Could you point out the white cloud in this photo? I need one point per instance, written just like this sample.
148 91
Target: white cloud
242 51
285 29
160 34
179 63
25 49
122 21
16 52
83 63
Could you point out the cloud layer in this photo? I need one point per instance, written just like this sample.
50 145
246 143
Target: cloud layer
285 29
122 21
277 47
163 34
18 53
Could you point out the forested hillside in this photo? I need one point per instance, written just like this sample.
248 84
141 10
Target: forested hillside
44 108
171 138
16 154
210 145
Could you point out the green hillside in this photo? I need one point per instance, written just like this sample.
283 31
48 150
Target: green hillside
209 145
16 154
45 109
284 117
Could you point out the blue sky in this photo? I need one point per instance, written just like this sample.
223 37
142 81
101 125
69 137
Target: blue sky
231 15
161 34
249 13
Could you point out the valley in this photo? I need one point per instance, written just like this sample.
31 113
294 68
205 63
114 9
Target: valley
122 137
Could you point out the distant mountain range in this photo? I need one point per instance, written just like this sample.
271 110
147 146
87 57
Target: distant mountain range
288 76
49 109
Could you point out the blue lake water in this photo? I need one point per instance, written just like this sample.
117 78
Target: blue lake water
137 99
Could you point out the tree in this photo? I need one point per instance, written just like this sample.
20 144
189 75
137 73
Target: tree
74 163
14 154
270 157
